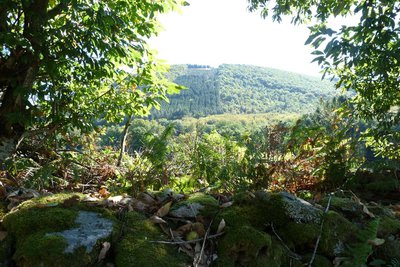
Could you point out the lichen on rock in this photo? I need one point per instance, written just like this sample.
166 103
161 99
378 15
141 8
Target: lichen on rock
300 210
91 228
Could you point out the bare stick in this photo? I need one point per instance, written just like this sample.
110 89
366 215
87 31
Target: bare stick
293 255
204 244
320 233
186 242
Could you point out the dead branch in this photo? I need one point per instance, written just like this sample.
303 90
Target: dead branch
186 242
320 233
291 253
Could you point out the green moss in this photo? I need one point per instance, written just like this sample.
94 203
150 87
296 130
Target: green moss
136 250
319 261
275 256
388 226
381 211
3 209
242 245
382 186
202 199
29 224
242 215
275 207
27 221
51 200
389 250
6 251
303 236
341 204
42 250
337 231
243 198
209 204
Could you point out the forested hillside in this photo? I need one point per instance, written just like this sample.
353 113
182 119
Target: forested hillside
241 89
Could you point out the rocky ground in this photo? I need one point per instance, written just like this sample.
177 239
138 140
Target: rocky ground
170 229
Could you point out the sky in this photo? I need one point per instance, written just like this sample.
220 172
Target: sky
214 32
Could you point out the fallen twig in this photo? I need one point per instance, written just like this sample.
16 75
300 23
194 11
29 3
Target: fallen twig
320 233
186 242
291 253
204 244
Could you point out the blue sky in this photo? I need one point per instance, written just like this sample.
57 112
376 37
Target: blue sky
214 32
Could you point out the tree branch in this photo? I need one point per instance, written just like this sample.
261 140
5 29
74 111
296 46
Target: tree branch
187 242
52 13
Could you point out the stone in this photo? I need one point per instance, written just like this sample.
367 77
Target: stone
44 232
196 204
91 228
296 208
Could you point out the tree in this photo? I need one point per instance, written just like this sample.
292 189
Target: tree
68 63
365 57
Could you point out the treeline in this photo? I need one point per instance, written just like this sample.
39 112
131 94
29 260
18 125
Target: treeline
241 89
323 150
316 151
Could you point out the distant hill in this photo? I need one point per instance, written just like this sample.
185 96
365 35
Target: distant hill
241 89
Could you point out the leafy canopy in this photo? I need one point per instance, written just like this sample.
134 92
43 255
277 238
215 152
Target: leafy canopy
66 63
365 57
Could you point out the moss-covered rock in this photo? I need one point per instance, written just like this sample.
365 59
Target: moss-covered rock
388 251
275 256
383 185
300 235
284 207
168 194
238 215
50 232
43 250
3 209
319 261
388 226
251 220
198 203
295 221
61 199
29 221
6 251
389 230
336 233
135 249
242 246
341 204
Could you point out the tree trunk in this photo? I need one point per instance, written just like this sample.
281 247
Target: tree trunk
123 140
18 72
13 110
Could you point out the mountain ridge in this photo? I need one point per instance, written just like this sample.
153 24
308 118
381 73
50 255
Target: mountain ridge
241 89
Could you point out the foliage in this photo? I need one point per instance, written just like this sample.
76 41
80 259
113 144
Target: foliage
363 56
82 161
325 145
233 153
66 64
227 153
